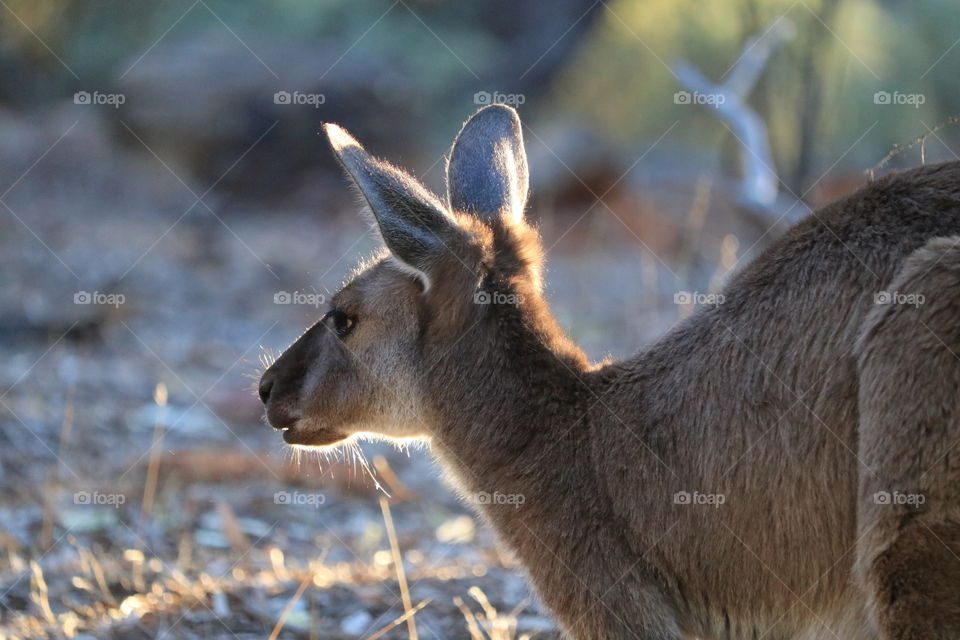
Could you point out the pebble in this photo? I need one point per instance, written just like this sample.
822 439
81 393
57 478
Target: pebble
356 623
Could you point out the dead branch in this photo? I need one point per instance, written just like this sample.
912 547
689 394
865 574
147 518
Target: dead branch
759 191
900 148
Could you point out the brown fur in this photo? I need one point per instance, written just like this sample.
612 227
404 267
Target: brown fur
910 400
761 400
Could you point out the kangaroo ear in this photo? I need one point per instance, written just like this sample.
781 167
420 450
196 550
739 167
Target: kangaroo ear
487 170
412 221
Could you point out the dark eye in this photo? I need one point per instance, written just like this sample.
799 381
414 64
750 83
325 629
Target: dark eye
338 321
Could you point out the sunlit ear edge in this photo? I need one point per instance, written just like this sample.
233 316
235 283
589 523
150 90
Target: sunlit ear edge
344 145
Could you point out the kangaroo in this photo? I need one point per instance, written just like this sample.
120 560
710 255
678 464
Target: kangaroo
778 465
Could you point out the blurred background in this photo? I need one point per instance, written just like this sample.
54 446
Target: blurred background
170 216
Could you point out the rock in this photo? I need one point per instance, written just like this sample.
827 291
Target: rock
457 530
209 538
356 623
534 623
88 519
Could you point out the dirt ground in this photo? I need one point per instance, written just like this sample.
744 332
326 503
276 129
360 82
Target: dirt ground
143 494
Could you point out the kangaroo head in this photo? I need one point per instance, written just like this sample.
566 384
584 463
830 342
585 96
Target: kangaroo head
461 273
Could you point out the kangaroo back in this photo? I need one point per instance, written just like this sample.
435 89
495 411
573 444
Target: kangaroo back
908 548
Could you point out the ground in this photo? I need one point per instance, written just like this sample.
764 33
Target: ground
143 495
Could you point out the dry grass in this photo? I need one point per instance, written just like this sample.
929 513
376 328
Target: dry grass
137 595
488 623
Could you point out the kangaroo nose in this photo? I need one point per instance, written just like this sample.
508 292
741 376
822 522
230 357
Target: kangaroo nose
266 385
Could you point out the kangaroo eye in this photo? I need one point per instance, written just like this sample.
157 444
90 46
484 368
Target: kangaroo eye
338 321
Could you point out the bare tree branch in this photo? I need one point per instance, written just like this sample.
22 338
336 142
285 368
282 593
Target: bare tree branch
759 191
